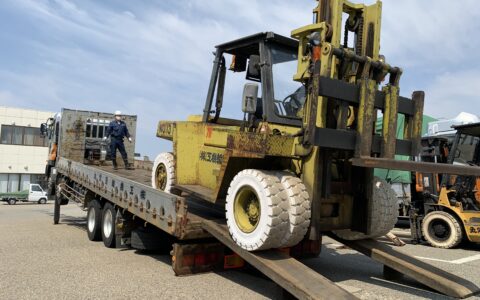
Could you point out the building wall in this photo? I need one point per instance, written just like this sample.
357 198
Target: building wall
20 164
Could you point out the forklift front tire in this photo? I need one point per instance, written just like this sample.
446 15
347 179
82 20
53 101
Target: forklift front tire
441 230
256 210
384 213
298 209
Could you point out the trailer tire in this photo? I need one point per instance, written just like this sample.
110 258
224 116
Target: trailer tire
163 172
256 210
298 209
94 221
108 226
42 201
384 213
12 201
439 223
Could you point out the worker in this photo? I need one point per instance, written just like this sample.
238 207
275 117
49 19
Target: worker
117 130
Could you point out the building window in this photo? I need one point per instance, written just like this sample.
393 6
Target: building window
21 135
17 138
29 136
6 134
10 183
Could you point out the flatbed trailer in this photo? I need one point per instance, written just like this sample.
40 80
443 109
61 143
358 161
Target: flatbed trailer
201 241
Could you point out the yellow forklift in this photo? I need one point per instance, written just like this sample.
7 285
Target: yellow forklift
446 208
298 160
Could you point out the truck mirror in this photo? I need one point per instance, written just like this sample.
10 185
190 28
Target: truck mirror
253 71
249 98
43 129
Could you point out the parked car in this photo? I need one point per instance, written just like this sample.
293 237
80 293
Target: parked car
35 193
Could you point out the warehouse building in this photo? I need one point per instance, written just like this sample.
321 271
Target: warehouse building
23 150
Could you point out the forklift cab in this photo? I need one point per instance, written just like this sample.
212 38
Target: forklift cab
465 150
268 60
466 145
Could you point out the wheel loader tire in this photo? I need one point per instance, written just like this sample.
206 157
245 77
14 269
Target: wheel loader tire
256 210
441 230
384 213
163 172
94 221
298 209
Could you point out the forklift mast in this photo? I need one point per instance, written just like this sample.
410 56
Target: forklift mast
343 99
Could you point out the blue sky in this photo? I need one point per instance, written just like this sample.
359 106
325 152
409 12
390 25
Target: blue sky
153 58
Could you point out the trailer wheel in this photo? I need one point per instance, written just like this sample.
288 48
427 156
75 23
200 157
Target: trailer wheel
298 209
94 221
441 230
384 213
42 201
12 201
256 210
108 225
163 172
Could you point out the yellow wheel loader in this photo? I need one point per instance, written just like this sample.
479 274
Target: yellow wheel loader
298 159
446 208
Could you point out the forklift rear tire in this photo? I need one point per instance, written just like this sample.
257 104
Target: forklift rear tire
256 210
163 172
94 221
108 226
298 209
441 230
384 213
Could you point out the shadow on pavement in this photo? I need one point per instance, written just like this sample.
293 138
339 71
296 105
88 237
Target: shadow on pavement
163 256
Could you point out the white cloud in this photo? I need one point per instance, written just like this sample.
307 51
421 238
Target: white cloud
434 34
457 91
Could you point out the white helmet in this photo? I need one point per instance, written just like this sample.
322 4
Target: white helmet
118 113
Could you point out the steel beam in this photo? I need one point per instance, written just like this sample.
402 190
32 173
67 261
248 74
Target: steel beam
433 277
289 273
422 167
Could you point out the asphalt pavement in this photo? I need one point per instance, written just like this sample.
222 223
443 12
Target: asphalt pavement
39 260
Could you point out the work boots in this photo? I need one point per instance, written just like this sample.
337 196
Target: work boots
127 165
115 166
